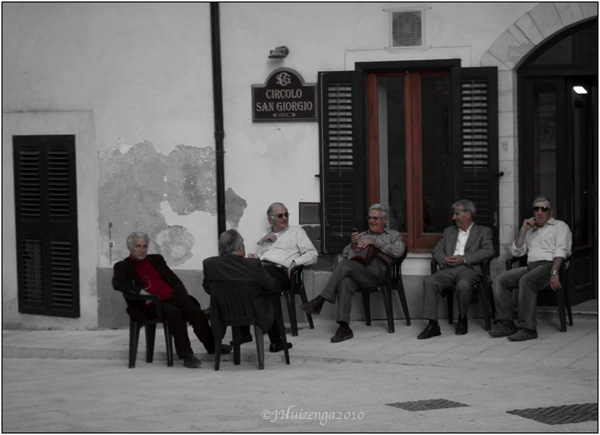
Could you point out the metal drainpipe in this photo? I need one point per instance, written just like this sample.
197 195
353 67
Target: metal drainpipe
218 110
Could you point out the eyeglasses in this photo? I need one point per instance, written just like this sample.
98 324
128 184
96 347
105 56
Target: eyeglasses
374 217
458 210
544 209
281 215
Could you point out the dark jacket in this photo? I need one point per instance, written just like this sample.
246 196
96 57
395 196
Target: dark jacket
236 268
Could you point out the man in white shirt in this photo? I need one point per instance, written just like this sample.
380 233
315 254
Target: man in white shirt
547 243
460 252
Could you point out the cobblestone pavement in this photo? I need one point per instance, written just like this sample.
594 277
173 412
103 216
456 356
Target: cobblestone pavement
78 381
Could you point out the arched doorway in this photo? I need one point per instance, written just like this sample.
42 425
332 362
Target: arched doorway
558 142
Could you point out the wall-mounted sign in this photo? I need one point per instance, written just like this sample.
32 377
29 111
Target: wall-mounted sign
284 97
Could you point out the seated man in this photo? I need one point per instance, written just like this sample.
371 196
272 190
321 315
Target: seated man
231 265
546 242
350 275
149 274
280 249
460 251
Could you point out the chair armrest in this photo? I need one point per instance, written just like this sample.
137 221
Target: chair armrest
433 266
130 296
511 260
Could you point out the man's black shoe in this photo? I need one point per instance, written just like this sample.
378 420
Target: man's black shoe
225 349
523 334
243 339
311 307
278 347
342 334
462 327
191 362
430 331
504 329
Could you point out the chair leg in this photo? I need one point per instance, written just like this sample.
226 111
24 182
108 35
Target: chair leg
403 302
367 306
260 346
389 309
304 299
134 333
169 344
292 311
568 305
485 307
235 332
450 304
286 351
560 298
150 336
490 292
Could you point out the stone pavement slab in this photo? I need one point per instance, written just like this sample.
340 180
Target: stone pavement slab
78 381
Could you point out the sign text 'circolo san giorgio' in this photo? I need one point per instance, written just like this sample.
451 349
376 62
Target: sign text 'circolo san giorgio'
284 97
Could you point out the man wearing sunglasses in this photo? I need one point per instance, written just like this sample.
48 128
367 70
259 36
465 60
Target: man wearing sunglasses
349 275
280 249
546 242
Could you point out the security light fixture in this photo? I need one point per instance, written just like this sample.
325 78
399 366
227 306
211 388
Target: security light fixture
580 90
279 53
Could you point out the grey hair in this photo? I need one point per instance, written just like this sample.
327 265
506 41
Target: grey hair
273 206
542 198
229 241
467 205
382 208
136 235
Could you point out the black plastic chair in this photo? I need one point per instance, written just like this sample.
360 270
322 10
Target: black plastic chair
483 289
563 298
150 327
296 288
393 281
231 305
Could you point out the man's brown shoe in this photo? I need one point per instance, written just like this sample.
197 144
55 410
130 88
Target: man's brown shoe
342 334
311 307
504 329
523 334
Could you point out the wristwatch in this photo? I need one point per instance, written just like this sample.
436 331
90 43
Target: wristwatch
554 272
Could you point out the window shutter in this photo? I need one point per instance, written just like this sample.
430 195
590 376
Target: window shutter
475 142
343 157
46 221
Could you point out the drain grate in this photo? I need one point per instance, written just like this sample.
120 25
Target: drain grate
426 405
560 414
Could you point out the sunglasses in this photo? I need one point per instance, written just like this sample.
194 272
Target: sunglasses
281 215
544 209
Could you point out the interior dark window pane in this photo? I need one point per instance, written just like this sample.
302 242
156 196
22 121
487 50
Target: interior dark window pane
392 136
436 152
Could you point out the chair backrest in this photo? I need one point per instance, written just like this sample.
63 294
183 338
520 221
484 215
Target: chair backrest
232 300
396 267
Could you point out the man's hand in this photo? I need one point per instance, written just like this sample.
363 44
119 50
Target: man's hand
454 260
271 238
355 237
144 292
364 242
555 282
528 224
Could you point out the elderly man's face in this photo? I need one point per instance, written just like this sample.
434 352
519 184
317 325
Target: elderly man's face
139 250
541 212
376 222
279 218
462 218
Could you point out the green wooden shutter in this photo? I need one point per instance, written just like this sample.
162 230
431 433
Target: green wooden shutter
343 157
475 142
46 222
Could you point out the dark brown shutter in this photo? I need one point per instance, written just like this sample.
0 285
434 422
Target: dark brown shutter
46 222
343 157
475 142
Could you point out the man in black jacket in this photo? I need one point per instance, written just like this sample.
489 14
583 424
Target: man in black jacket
141 273
231 265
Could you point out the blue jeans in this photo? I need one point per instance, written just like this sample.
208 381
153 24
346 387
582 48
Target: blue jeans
529 280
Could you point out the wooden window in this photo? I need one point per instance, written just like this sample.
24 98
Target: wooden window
422 140
46 222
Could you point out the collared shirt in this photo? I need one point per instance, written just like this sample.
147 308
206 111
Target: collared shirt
389 242
546 243
292 245
461 240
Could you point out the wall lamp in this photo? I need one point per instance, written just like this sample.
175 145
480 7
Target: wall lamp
279 53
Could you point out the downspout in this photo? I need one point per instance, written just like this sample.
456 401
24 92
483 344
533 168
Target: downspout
218 113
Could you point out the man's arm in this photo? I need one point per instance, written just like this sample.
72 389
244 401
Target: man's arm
308 253
165 271
122 280
439 251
